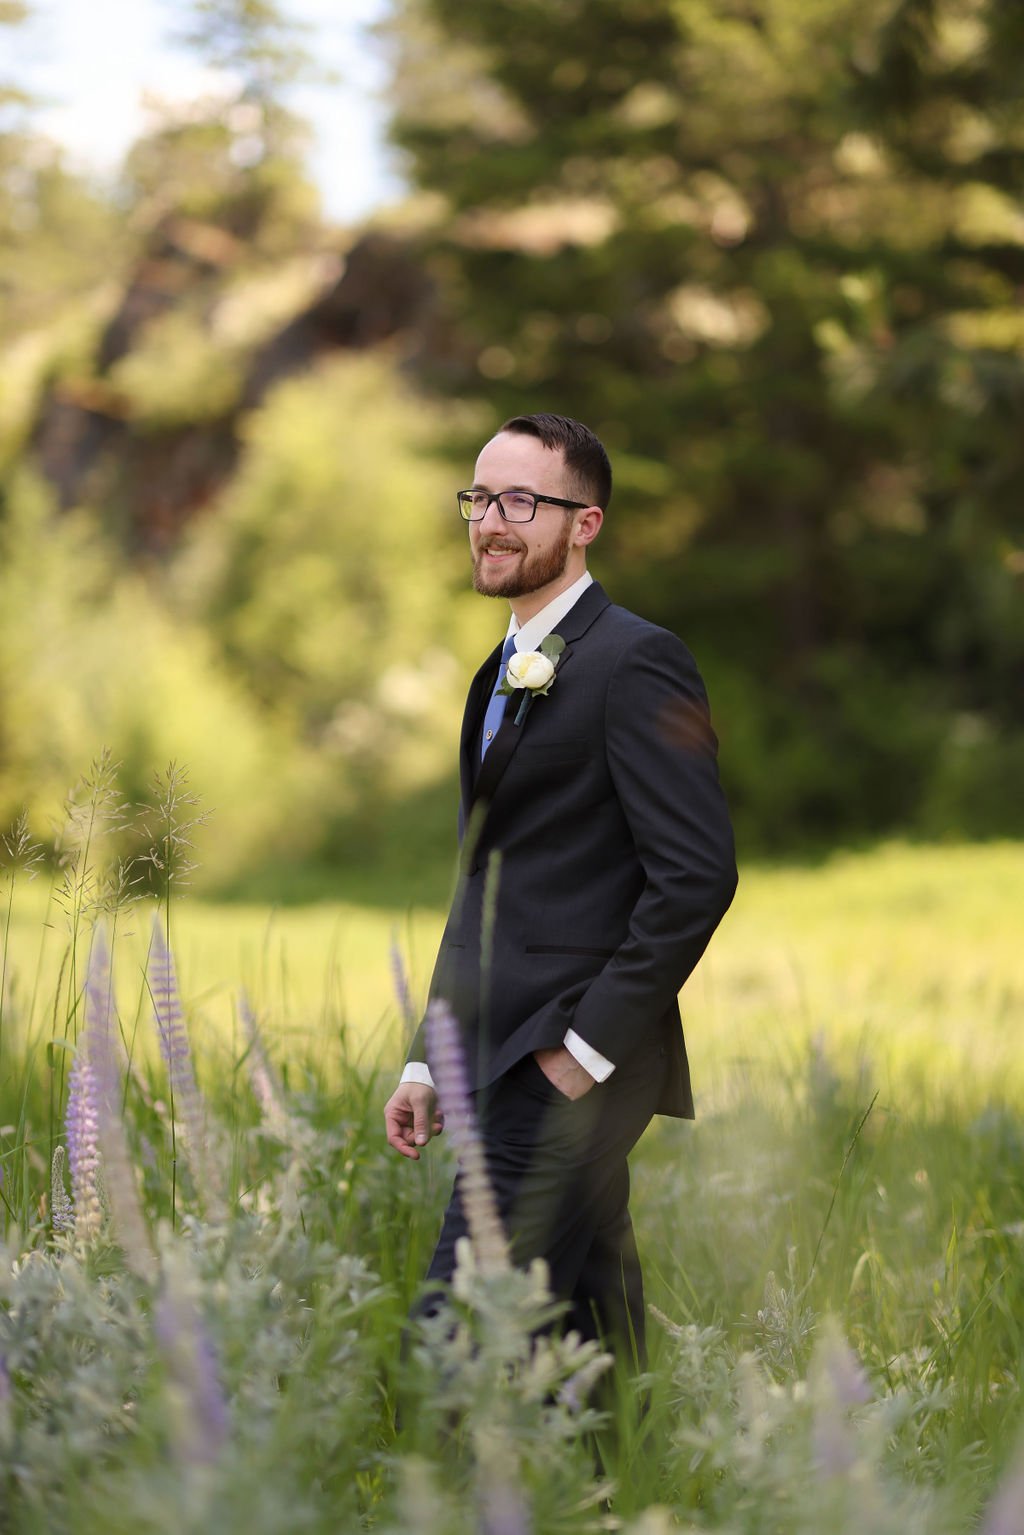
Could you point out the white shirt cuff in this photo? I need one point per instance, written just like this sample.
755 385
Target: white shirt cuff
589 1058
417 1071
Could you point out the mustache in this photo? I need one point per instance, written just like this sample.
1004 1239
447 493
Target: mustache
496 541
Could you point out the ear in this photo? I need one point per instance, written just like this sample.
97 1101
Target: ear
588 526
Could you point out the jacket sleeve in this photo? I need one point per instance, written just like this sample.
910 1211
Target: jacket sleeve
661 754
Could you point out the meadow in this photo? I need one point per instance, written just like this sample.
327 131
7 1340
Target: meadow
202 1328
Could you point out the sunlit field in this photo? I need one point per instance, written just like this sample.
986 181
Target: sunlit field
887 960
212 1336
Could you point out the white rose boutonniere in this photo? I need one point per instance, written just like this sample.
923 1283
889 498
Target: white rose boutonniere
533 671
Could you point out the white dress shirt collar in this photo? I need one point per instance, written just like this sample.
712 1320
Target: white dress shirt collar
547 620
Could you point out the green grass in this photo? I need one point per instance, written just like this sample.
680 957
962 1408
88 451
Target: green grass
893 957
858 1154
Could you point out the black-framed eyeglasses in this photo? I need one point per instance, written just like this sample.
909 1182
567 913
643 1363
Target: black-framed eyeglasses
514 505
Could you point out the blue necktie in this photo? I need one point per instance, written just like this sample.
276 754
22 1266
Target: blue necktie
496 707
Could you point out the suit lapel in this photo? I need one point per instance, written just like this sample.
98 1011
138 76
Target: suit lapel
476 706
502 749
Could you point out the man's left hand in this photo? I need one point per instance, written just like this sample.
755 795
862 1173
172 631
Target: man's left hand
564 1071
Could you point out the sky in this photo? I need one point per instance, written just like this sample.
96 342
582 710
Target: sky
92 65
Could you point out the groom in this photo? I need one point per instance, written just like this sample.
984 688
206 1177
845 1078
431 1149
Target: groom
597 862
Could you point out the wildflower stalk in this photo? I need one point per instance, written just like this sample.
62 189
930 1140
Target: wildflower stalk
62 1210
184 1091
169 825
838 1385
447 1067
400 984
1005 1513
835 1191
265 1086
199 1411
24 855
488 927
93 809
83 1136
95 1128
503 1507
6 1415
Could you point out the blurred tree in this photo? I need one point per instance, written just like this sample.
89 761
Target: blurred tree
332 581
12 96
234 157
57 235
136 412
331 562
255 41
89 659
771 250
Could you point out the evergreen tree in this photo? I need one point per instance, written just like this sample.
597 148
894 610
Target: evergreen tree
770 251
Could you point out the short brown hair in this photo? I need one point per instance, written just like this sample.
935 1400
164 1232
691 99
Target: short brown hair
584 454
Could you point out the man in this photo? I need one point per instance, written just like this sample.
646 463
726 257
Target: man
597 862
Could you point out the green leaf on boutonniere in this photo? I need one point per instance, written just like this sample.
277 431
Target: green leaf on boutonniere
552 647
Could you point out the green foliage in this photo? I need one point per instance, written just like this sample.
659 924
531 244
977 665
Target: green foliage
88 660
12 96
836 1336
770 253
306 652
61 238
330 577
177 374
234 164
254 40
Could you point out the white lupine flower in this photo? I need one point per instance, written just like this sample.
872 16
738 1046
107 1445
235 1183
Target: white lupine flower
62 1211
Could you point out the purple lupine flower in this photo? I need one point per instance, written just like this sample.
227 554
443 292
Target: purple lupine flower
6 1405
447 1067
82 1126
62 1210
400 982
98 1124
1005 1513
200 1411
264 1084
833 1440
839 1383
846 1375
177 1053
503 1508
575 1392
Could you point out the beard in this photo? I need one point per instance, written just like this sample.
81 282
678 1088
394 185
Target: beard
529 574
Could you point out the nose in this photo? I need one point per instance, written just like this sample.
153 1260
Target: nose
492 521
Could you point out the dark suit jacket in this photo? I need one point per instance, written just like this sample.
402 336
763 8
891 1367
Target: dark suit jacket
597 855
